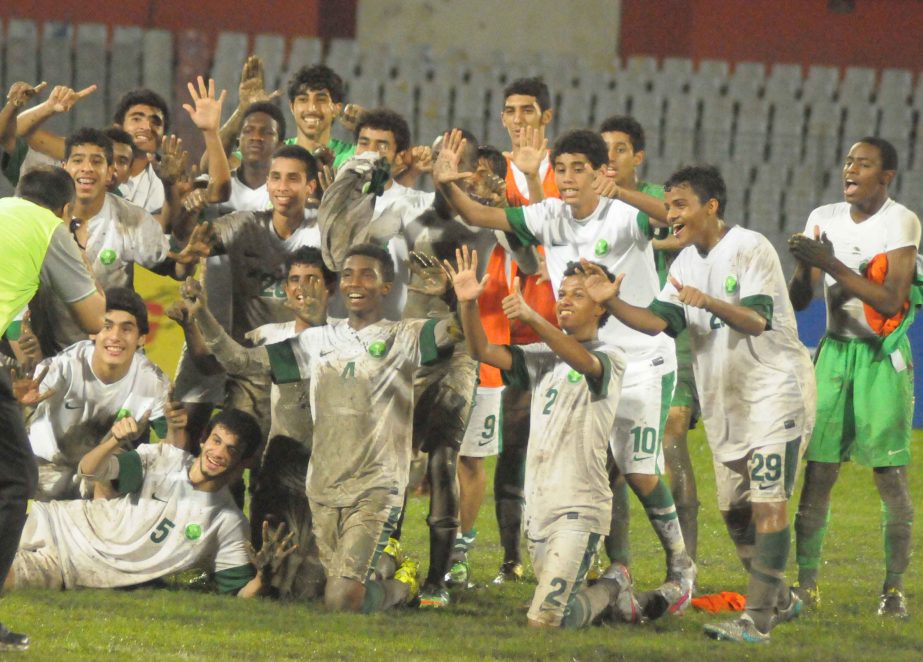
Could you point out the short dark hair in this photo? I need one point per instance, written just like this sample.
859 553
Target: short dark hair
47 186
117 135
627 125
574 269
886 149
316 77
582 141
495 160
270 109
705 181
530 87
242 425
89 136
312 257
376 253
141 96
298 153
385 119
126 299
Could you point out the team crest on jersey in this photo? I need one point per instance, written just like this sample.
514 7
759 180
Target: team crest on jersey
730 284
573 376
107 256
193 531
601 247
122 413
378 349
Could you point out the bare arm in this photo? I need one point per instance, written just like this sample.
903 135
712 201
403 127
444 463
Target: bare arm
649 204
123 431
203 360
61 100
606 293
20 93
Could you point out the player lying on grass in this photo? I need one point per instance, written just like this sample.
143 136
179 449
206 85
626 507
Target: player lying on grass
755 377
175 513
575 381
361 371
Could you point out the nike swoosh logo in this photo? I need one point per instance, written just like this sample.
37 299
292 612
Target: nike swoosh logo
157 498
766 487
635 458
484 443
328 352
67 405
896 452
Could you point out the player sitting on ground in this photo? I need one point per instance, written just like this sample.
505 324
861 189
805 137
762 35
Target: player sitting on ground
361 371
575 382
866 249
175 514
89 388
755 376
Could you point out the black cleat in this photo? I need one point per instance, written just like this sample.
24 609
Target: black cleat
12 641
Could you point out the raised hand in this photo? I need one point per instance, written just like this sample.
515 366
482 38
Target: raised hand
195 201
605 186
252 87
430 272
515 306
350 115
445 170
597 283
816 252
63 98
419 159
128 429
175 412
532 149
275 549
312 308
26 389
178 311
490 190
198 247
193 293
690 296
465 278
174 160
206 113
20 93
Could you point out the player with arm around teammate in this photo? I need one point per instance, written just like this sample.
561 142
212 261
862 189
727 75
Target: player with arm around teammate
755 377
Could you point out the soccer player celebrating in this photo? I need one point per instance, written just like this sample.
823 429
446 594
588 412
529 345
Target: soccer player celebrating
93 385
865 249
755 376
175 513
361 371
583 224
575 382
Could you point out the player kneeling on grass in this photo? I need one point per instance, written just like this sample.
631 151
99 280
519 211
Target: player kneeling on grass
176 513
575 381
755 378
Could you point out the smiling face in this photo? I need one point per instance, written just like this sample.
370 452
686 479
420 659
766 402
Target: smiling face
122 156
288 186
314 112
259 137
623 159
118 340
145 125
577 313
90 170
688 216
864 179
363 285
574 176
520 111
220 453
306 277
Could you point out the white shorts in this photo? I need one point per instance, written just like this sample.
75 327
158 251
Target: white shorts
37 563
766 475
560 562
637 438
484 434
60 481
191 385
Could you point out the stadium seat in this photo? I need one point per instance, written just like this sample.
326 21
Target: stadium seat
56 57
752 129
894 86
715 135
90 56
747 81
821 83
858 85
21 52
784 83
125 62
158 50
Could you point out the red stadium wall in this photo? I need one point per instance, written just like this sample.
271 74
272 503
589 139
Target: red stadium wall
876 33
321 18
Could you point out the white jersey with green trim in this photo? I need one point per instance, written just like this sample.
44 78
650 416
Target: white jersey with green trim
615 236
83 409
854 244
754 390
361 402
161 526
571 420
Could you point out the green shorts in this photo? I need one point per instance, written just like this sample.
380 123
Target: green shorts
685 394
864 404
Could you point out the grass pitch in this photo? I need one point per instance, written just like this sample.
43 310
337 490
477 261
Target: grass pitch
489 623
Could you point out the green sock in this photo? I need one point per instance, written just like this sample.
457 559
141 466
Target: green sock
587 605
810 529
661 511
896 526
767 576
617 545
